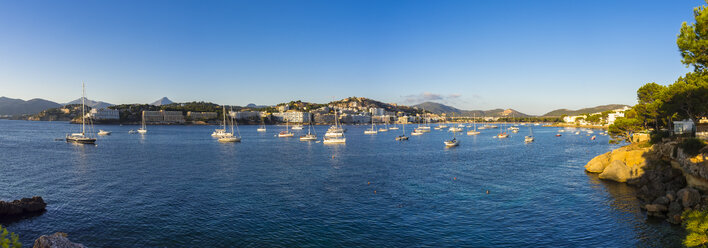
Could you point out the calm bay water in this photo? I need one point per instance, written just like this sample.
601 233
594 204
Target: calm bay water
178 187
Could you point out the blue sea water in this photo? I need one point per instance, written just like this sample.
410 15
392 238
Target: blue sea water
178 187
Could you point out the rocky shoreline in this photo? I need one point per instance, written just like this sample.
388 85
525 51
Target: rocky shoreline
668 180
25 206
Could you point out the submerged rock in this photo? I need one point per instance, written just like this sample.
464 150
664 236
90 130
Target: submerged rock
56 240
23 206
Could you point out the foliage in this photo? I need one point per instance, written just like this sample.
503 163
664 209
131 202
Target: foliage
692 146
692 40
696 224
658 135
623 128
8 242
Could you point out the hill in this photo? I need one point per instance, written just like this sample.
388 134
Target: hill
601 108
439 108
162 101
91 103
10 106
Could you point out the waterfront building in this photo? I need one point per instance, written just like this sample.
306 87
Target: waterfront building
324 118
104 114
377 111
292 116
201 115
164 117
245 115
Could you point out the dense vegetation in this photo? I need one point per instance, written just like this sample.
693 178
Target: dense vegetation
8 242
686 98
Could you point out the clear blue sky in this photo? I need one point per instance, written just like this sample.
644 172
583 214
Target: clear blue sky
533 56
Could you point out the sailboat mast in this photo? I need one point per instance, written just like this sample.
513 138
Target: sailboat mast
83 115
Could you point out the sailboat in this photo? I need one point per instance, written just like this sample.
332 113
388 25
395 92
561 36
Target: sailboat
474 130
309 136
453 142
262 128
230 137
395 126
335 134
143 128
385 128
372 130
502 134
81 137
403 135
529 138
221 132
286 133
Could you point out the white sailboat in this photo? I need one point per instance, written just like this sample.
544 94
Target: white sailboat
453 142
335 134
502 134
286 133
372 130
262 128
221 132
81 137
231 137
474 125
309 136
385 128
143 128
529 138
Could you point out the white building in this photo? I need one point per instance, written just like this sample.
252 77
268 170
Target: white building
684 127
292 116
245 115
104 114
377 111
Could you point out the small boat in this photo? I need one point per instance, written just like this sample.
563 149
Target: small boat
561 131
371 130
502 135
286 133
452 143
529 138
558 135
230 137
455 129
593 137
309 136
262 128
297 127
334 140
474 128
81 138
403 135
577 132
590 131
143 128
103 132
221 132
395 127
416 133
132 131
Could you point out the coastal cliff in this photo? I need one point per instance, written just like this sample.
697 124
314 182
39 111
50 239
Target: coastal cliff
668 180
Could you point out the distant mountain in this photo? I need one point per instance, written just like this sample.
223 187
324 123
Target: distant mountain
10 106
439 108
91 103
162 101
559 112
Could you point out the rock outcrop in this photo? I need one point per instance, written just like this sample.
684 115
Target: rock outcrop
625 163
668 181
56 240
23 206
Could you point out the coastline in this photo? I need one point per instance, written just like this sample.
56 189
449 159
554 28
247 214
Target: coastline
576 126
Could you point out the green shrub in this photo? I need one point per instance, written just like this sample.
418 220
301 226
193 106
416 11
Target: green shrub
692 146
696 224
10 242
